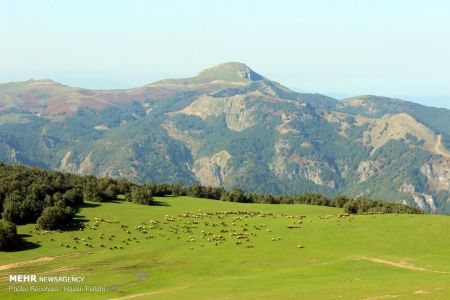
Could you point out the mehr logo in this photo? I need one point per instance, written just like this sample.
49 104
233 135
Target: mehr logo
22 278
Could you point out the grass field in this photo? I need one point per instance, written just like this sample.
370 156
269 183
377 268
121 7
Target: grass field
170 257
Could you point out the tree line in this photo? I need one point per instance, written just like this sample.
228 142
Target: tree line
51 198
350 205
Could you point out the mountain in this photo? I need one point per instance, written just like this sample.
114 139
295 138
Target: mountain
229 72
233 127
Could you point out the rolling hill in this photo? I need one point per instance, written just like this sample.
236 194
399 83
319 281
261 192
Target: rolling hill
203 249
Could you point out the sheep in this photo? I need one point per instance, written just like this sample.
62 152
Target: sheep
293 226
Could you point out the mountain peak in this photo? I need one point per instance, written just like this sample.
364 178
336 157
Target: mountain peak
228 72
231 71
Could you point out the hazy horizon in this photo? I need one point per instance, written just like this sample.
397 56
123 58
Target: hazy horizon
395 49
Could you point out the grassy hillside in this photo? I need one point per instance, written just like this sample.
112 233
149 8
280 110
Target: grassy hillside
354 257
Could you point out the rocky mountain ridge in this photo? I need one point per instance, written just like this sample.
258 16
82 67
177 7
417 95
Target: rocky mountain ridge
230 126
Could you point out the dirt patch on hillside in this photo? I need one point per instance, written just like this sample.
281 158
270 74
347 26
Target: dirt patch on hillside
148 293
383 297
406 296
39 260
402 265
440 149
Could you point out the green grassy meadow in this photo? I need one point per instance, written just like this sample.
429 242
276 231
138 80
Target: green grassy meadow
170 257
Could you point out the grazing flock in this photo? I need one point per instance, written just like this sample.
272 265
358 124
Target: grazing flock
195 230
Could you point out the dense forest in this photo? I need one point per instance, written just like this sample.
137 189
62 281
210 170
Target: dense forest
51 199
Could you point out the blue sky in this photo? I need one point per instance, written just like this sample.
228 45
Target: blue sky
392 48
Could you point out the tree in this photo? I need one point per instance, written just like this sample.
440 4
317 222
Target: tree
8 234
238 195
141 195
351 207
92 192
73 197
111 191
124 186
195 190
12 210
340 200
55 217
178 189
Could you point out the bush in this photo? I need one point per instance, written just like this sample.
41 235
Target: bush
8 234
55 217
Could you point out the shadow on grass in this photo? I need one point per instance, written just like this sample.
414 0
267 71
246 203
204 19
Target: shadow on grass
159 203
22 245
89 205
76 224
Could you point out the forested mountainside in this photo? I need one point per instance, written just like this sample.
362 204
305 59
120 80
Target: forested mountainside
232 127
